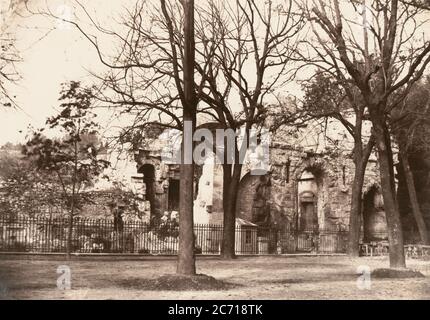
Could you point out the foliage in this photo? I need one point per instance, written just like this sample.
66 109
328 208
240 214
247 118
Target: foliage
74 158
411 119
323 96
139 136
25 190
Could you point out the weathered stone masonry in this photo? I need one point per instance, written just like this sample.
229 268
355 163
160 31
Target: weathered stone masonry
301 189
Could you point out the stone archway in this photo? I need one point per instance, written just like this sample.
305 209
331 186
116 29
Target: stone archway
310 200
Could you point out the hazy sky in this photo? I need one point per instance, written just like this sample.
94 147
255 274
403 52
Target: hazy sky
52 53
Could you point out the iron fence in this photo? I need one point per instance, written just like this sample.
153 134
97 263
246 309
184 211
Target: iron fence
377 244
40 235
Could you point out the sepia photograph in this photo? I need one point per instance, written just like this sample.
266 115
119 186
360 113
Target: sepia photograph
216 155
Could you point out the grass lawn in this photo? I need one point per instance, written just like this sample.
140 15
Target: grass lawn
263 277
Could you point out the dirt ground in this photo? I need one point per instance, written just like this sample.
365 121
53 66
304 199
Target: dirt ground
263 277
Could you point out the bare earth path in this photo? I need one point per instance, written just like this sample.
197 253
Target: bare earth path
264 277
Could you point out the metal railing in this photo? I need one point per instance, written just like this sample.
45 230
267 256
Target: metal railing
40 235
378 245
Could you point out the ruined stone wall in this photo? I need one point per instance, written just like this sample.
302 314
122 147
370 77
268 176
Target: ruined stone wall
334 176
332 186
274 199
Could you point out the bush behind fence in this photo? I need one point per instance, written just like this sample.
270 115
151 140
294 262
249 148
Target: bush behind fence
41 235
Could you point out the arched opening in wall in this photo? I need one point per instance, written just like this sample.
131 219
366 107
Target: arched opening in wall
252 203
307 189
173 200
148 172
374 222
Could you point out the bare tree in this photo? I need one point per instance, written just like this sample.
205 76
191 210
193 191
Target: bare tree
327 96
151 75
244 59
9 56
242 54
379 58
186 261
422 4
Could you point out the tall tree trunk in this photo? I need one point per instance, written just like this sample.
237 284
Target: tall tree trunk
356 208
186 259
361 158
422 229
70 229
227 244
231 189
72 205
395 233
